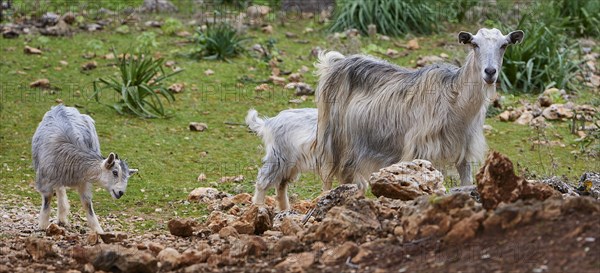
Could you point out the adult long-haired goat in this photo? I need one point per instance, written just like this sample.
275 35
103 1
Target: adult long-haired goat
373 113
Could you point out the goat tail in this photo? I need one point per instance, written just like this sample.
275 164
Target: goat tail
326 60
327 89
255 123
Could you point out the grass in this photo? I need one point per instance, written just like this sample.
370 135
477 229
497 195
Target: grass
169 156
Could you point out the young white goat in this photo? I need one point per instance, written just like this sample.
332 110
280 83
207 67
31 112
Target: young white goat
373 114
288 138
66 153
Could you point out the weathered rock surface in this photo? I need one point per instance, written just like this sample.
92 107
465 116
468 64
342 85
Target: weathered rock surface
115 258
407 180
497 183
181 227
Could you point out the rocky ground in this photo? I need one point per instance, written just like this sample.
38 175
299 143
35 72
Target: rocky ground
505 224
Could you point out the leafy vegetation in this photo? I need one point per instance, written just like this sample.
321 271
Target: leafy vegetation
139 87
146 41
391 17
583 16
172 26
545 58
219 42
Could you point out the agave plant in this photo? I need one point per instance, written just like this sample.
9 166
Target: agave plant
220 42
139 86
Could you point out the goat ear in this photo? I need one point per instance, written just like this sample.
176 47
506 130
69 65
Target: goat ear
132 171
465 37
516 36
109 162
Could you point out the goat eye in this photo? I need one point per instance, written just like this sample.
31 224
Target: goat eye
503 46
115 173
475 45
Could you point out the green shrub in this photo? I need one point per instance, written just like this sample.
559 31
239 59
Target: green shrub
546 57
219 42
172 26
146 41
583 16
139 87
392 17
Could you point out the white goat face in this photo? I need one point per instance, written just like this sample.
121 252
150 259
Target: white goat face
488 47
115 174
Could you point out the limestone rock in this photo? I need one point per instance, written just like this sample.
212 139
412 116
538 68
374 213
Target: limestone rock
497 183
336 197
109 238
39 248
407 180
169 258
340 253
525 118
116 258
158 6
557 111
181 227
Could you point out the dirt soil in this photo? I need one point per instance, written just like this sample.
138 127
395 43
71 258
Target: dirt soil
520 226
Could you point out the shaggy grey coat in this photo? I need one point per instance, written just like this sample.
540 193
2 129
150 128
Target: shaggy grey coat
373 114
288 138
66 153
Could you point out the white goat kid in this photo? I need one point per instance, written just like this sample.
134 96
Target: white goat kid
373 114
288 138
66 153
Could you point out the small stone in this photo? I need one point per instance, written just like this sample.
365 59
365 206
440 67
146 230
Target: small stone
339 254
289 226
301 260
169 258
228 231
277 80
544 101
209 72
290 35
93 238
109 238
39 248
295 77
243 227
182 228
41 83
32 50
525 118
183 33
176 87
54 230
203 194
262 87
89 268
286 244
201 177
89 66
268 29
10 34
155 247
64 63
413 44
392 53
198 126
